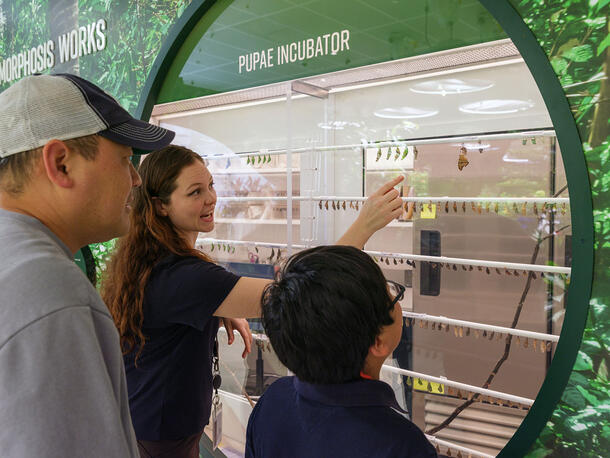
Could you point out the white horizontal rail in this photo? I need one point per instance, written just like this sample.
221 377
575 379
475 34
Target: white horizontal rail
428 200
460 386
411 257
485 327
248 244
385 144
452 446
475 262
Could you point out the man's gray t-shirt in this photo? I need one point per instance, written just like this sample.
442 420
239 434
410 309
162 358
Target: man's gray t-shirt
62 381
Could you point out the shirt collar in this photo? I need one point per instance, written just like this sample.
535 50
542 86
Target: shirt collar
359 393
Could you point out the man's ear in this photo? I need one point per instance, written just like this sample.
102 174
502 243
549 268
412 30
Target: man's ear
159 207
56 159
380 348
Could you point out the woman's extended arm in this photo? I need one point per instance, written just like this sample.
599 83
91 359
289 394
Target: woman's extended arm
384 205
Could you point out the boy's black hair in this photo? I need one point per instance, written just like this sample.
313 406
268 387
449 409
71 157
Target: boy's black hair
323 312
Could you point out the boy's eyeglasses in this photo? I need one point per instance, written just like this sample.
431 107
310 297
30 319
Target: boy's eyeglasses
396 290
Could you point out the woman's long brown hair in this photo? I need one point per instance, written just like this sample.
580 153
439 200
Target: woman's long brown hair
151 237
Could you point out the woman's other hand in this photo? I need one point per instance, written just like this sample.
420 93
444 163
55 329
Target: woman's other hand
240 325
383 206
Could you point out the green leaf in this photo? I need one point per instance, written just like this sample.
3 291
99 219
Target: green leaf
588 396
583 362
559 65
573 398
604 44
581 53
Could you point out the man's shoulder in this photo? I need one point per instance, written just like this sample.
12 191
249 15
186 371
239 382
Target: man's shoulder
36 281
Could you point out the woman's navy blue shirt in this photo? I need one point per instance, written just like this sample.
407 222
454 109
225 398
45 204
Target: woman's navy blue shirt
170 390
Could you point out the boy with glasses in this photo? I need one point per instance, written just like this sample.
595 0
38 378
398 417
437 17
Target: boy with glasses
332 320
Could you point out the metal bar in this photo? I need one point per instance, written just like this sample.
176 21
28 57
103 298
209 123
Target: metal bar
385 144
460 386
417 257
427 200
486 327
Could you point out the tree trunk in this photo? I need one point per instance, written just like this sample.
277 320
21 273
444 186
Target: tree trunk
599 124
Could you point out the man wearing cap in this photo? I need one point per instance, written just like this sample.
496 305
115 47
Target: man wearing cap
65 181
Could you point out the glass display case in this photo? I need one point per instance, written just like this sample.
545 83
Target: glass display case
482 245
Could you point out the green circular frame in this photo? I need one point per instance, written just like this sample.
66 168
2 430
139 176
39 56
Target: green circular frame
572 154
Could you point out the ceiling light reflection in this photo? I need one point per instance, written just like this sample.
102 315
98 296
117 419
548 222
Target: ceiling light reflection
496 106
404 113
450 86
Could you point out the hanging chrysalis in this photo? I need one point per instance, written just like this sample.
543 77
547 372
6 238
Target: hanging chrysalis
389 153
320 205
487 204
524 209
351 204
343 205
479 208
379 153
405 152
446 207
356 205
326 204
397 154
455 207
334 206
535 208
473 206
212 248
515 209
496 207
464 207
462 160
533 140
563 208
415 152
248 160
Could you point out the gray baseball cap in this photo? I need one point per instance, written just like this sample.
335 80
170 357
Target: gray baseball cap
40 108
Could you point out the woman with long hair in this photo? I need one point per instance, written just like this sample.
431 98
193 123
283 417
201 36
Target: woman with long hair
165 297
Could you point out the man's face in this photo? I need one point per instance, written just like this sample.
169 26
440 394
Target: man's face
107 182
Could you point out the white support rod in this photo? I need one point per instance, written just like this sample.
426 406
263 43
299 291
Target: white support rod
485 327
428 200
452 446
460 386
385 144
415 257
475 262
432 200
249 244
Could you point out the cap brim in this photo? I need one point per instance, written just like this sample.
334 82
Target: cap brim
140 135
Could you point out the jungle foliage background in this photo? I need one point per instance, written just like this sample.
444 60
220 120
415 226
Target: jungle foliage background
575 35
